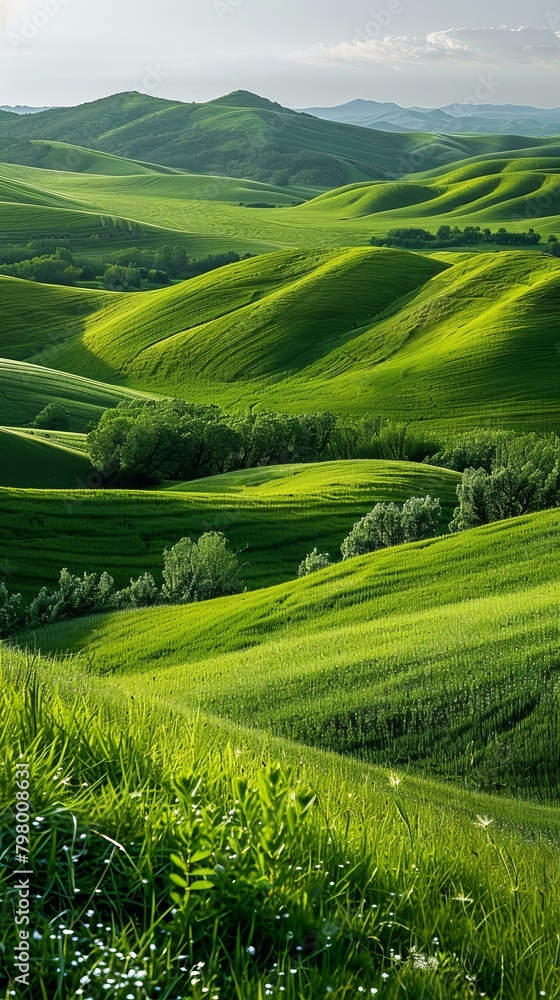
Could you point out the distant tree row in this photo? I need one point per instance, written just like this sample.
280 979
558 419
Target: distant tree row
52 262
192 572
453 236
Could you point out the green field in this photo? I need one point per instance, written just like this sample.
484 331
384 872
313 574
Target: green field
417 887
392 657
348 780
274 520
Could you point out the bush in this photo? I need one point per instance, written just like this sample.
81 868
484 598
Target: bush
200 571
314 562
142 593
74 597
389 525
53 418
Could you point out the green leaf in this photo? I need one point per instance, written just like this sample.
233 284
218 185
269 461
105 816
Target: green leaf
199 856
199 886
178 880
180 862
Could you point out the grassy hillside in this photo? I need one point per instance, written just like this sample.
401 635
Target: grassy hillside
37 462
240 135
25 390
108 211
392 657
493 190
234 329
369 330
274 519
376 889
37 317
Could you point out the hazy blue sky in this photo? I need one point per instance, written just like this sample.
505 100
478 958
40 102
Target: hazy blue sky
299 52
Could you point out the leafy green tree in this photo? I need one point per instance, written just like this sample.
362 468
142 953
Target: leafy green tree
389 525
420 518
199 571
75 596
142 593
380 529
314 562
507 491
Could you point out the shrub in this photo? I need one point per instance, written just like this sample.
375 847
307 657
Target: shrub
389 525
380 529
74 596
314 562
420 518
53 418
142 593
199 571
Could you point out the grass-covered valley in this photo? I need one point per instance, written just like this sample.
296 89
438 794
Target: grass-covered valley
279 557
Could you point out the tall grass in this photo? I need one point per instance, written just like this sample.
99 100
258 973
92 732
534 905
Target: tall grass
310 883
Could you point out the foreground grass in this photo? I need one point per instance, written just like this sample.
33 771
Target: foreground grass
442 655
322 877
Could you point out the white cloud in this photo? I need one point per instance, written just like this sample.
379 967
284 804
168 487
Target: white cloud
491 46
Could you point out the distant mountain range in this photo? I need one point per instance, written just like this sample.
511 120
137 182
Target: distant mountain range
453 119
239 135
22 110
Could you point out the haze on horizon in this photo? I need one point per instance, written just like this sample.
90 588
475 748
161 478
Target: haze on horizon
316 53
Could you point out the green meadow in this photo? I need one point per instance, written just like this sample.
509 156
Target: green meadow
337 785
273 516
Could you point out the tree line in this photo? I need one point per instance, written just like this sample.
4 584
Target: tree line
52 261
145 443
453 236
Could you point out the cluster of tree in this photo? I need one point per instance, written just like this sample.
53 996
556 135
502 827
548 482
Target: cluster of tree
192 572
453 236
268 204
377 437
386 525
173 261
508 491
553 246
53 262
142 443
52 269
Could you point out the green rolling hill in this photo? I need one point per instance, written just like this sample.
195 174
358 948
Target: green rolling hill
37 462
392 657
370 330
493 190
239 134
26 389
273 516
38 317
